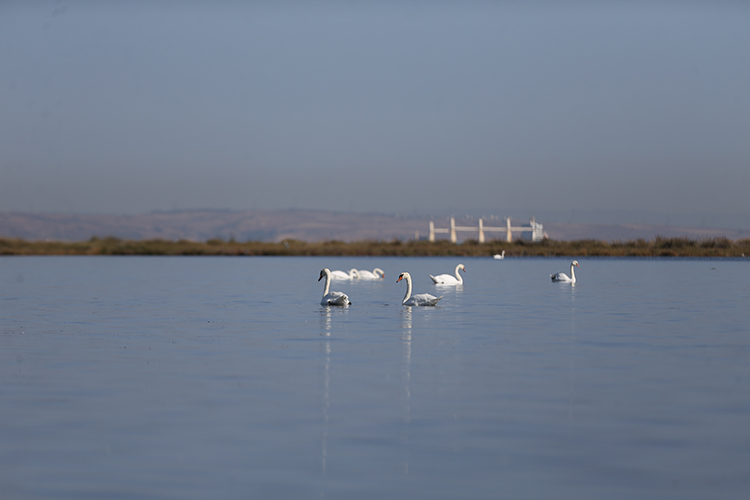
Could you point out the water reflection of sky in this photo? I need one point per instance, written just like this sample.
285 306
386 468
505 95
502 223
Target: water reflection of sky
512 384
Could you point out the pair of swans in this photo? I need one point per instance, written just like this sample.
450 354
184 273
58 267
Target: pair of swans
564 278
355 274
447 279
341 299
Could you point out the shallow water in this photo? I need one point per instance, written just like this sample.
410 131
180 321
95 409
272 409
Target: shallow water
199 377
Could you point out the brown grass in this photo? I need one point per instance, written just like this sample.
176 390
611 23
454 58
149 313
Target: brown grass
658 247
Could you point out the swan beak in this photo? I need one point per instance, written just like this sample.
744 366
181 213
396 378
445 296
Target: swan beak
577 264
399 279
321 276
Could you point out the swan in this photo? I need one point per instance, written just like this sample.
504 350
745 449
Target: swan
420 299
499 256
353 274
447 279
563 278
375 274
332 298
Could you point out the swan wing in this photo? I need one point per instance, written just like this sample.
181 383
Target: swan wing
422 299
335 299
559 277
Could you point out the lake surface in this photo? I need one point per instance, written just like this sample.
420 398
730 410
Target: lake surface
203 377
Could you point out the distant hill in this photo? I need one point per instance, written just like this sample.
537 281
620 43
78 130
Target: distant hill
202 225
305 225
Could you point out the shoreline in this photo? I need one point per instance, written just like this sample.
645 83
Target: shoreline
657 247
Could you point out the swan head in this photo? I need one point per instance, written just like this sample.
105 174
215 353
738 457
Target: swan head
575 263
462 267
323 273
401 276
379 272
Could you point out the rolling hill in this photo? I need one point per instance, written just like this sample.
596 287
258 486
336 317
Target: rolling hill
305 225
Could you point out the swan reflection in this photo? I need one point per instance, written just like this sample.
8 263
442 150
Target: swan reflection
326 403
406 324
406 318
326 321
406 355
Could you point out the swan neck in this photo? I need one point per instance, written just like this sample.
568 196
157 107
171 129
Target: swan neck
458 276
327 285
408 288
573 273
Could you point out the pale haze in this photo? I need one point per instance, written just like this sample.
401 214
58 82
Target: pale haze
560 109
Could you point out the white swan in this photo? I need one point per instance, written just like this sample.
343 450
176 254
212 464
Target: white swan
420 299
499 256
375 274
353 274
447 279
332 298
564 278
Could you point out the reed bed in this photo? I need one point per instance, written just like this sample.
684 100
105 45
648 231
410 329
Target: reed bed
657 247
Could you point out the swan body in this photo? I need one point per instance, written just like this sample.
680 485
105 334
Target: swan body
375 274
332 298
564 278
447 279
353 274
499 256
420 299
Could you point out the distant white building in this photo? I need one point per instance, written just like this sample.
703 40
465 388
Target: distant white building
537 230
534 231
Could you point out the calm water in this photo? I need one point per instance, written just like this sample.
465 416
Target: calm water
182 378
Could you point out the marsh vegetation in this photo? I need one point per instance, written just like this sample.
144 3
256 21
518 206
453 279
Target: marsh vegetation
657 247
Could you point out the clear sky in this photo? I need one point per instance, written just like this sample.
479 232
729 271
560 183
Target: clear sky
407 107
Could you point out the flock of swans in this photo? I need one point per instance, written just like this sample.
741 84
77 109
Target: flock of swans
418 299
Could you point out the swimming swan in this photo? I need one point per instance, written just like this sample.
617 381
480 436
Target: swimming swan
332 298
563 278
420 299
375 274
447 279
353 274
499 256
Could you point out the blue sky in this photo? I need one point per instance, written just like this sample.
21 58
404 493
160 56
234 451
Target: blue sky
569 107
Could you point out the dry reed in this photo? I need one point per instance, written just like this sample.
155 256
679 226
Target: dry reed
658 247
